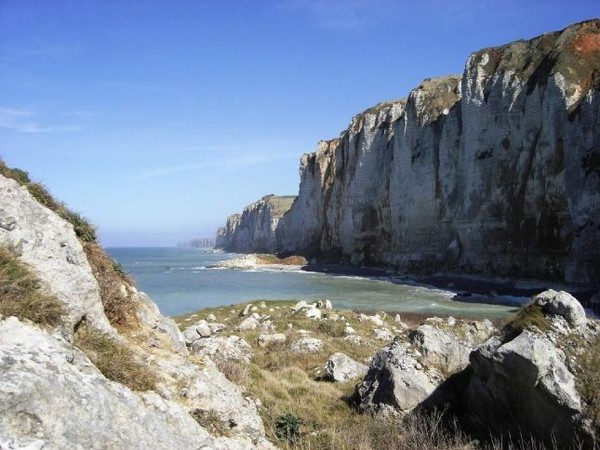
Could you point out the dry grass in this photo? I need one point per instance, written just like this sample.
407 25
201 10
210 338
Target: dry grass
589 382
21 296
114 359
528 316
118 305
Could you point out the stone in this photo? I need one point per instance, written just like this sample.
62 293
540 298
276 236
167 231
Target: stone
220 348
383 334
348 330
324 304
512 379
211 318
312 313
266 340
307 345
203 329
562 304
249 323
341 368
395 381
375 320
247 309
190 334
216 327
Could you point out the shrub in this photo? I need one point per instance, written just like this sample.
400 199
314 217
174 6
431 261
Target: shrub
21 296
114 359
287 427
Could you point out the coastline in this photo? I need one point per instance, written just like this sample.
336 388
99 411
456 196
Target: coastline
467 288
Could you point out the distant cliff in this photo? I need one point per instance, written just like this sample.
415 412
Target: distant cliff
495 173
254 229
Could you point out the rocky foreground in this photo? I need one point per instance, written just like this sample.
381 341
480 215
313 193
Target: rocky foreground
489 377
87 361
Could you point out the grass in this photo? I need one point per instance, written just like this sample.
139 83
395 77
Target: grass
589 382
21 296
119 307
528 316
114 359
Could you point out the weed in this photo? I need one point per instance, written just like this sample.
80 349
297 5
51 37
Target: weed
287 427
21 296
114 359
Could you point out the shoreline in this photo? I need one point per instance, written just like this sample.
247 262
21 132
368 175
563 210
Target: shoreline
468 288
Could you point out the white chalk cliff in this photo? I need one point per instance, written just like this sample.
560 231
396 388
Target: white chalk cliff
493 173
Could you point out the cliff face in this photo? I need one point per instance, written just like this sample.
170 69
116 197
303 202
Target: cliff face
254 229
496 172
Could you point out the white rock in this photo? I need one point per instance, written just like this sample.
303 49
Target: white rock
266 340
341 368
307 345
211 318
249 323
223 348
383 334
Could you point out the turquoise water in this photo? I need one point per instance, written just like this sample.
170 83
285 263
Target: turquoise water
180 281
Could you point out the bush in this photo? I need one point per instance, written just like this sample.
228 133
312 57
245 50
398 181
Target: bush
115 360
287 427
21 296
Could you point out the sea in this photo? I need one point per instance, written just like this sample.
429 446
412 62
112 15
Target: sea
184 280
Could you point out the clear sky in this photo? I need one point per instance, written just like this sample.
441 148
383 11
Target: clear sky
156 119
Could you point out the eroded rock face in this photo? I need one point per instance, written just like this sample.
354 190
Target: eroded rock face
254 230
54 397
48 245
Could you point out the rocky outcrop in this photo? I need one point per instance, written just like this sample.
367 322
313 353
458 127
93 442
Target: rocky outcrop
254 229
405 373
495 172
51 391
524 381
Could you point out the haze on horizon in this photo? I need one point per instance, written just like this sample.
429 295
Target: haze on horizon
157 119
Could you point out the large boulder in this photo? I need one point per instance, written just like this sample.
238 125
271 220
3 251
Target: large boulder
521 378
404 373
396 381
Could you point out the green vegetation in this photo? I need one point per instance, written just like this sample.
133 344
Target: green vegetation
528 316
21 296
114 359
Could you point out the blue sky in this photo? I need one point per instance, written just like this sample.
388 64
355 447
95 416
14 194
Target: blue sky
158 118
